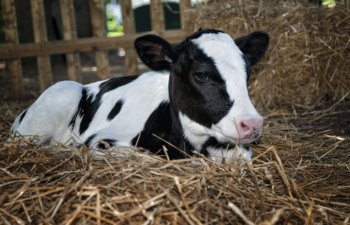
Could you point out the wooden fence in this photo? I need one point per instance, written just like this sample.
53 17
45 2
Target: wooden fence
12 51
345 3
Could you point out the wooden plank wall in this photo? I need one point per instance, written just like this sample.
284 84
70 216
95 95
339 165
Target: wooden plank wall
129 29
98 30
186 14
11 36
345 3
12 51
71 46
157 16
40 36
70 33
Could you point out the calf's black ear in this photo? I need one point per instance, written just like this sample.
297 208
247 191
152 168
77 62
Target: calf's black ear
155 52
253 45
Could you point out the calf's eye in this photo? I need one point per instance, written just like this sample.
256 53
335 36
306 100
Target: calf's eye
201 77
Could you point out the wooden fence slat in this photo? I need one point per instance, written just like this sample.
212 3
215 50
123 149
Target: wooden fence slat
12 51
40 36
157 16
69 33
129 29
185 9
11 36
98 30
42 49
15 71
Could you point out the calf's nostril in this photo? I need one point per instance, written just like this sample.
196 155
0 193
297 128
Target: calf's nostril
250 127
244 126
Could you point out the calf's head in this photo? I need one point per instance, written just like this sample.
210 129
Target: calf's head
208 82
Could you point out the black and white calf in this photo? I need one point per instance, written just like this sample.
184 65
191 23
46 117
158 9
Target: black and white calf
195 98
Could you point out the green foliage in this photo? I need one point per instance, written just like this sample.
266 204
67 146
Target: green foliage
328 3
114 29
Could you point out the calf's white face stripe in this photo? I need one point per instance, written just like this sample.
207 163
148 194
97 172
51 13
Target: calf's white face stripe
229 61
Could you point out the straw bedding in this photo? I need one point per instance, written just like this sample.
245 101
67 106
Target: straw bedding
309 50
300 173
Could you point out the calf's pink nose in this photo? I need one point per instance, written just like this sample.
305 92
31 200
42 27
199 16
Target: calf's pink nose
250 128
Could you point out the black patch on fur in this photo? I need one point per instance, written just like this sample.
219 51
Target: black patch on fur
80 106
253 45
115 110
90 103
163 128
213 142
116 82
164 124
22 115
89 139
106 143
177 138
247 66
159 124
155 52
206 103
88 109
72 121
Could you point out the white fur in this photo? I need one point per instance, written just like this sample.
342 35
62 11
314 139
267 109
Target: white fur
50 115
141 97
194 132
198 134
239 153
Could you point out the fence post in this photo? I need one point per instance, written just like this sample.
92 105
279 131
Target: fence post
98 30
186 12
157 16
40 36
70 33
11 36
129 28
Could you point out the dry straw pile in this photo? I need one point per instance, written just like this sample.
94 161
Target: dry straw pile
300 173
297 176
309 52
